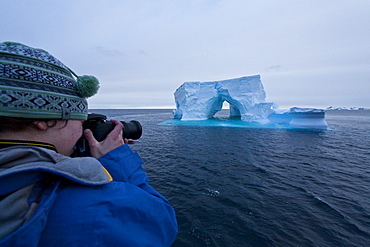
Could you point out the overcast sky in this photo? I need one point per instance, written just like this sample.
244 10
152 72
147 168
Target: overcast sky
309 53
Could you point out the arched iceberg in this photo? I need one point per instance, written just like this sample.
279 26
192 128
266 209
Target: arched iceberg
247 99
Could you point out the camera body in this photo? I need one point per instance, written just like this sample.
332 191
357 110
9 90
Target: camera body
100 128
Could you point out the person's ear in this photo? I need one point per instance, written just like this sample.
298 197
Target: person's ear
41 125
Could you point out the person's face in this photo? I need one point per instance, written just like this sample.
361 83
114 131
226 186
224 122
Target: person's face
66 135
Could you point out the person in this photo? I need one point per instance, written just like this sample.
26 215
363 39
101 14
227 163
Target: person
48 198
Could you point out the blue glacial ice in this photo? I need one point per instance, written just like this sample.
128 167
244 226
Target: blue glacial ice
199 101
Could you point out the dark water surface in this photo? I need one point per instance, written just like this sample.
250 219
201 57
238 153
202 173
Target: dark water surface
258 186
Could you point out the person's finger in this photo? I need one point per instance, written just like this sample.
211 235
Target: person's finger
117 131
90 137
128 141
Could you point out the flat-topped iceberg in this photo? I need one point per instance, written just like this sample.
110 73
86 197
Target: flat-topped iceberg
247 99
297 117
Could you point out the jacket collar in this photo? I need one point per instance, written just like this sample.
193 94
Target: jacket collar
10 143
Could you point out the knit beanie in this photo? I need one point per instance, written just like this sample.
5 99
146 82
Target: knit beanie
34 84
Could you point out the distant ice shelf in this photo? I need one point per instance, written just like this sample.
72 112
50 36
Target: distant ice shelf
355 108
246 95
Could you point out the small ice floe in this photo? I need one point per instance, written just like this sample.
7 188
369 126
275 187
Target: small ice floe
213 193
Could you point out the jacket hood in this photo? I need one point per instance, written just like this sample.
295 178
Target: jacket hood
24 165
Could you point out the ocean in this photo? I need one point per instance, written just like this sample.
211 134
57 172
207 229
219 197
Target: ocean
260 186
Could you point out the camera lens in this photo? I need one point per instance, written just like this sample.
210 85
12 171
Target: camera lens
132 130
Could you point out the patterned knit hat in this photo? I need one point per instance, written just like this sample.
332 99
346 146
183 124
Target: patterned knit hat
34 84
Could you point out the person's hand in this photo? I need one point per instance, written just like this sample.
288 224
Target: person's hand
113 140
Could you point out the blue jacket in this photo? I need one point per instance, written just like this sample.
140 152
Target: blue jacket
81 201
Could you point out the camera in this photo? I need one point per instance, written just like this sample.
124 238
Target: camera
100 128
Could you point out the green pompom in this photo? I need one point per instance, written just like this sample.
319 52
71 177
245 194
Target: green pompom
87 85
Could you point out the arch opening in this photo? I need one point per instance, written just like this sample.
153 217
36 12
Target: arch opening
224 108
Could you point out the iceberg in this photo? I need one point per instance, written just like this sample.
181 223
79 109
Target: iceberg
247 99
303 118
202 100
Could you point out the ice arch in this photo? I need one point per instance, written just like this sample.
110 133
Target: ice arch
201 100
